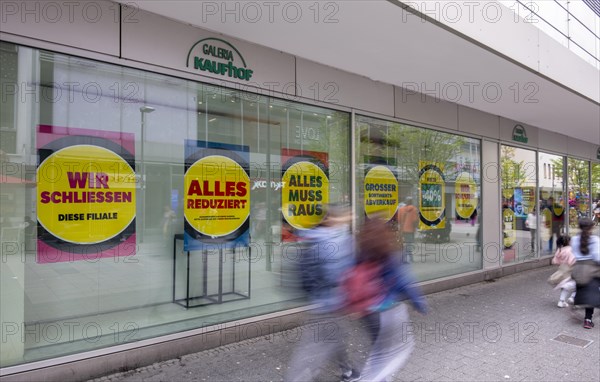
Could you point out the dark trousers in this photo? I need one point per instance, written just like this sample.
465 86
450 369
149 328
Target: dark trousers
372 323
409 246
555 231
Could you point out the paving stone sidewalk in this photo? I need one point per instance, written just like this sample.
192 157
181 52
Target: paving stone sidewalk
503 330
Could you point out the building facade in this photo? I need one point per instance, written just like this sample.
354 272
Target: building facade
154 174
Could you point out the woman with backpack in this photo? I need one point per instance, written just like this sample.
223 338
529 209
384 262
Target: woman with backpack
327 254
586 272
387 317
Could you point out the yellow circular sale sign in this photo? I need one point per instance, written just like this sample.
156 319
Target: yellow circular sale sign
432 190
86 194
508 192
381 193
217 196
509 227
558 205
465 192
305 193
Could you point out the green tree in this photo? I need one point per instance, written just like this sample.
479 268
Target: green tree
578 176
596 181
511 170
410 145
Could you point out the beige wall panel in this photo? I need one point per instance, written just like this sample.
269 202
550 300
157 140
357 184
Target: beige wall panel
477 122
418 107
551 141
326 84
89 25
579 149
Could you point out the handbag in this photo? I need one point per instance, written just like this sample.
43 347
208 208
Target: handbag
563 272
584 271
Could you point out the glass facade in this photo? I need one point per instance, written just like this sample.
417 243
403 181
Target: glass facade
134 204
437 172
541 202
101 143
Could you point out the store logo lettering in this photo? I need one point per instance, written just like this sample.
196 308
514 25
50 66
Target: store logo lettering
224 52
519 134
258 184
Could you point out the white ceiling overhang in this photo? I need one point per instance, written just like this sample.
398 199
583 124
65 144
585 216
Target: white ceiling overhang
377 40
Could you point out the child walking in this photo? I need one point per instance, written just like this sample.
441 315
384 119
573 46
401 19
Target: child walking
564 256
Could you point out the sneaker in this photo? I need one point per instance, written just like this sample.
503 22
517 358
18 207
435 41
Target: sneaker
588 324
571 301
351 376
562 304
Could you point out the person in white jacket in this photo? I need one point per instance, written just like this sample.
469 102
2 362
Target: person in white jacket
532 224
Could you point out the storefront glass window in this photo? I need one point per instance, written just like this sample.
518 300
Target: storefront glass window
596 192
8 106
400 167
104 191
578 183
552 202
518 173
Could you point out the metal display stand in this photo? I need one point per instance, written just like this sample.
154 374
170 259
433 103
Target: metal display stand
204 298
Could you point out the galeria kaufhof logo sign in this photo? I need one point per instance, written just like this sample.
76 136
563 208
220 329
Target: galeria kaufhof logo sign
519 134
219 57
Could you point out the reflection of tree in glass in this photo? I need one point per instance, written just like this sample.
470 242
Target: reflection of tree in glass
336 129
412 144
577 173
511 171
578 177
596 180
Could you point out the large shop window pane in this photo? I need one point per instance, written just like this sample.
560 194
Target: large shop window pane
578 183
439 174
596 192
10 96
520 216
552 202
124 159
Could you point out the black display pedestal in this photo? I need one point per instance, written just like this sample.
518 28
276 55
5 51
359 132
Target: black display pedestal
206 298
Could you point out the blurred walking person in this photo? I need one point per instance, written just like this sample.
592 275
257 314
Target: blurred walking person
327 255
565 259
586 271
555 222
532 224
388 319
408 221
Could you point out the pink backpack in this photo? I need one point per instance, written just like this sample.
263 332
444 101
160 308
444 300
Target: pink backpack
363 286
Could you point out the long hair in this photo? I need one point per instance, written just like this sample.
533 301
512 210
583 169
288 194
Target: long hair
376 241
563 241
585 224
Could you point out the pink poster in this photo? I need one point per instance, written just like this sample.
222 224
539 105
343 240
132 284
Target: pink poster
86 194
